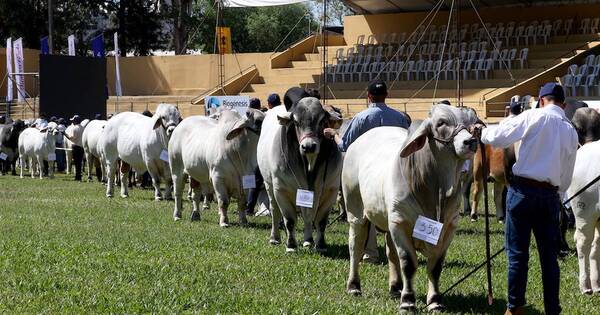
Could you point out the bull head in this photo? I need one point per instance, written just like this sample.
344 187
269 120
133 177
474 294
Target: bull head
167 116
447 127
252 122
309 119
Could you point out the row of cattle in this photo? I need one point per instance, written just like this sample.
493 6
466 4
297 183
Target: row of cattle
389 177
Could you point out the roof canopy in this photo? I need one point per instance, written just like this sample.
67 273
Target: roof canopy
396 6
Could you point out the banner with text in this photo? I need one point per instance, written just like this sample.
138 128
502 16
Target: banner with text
118 90
71 40
20 69
9 70
214 104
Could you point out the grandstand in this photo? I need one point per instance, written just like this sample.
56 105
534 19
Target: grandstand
425 50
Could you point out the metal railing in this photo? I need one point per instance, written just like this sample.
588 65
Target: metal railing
227 81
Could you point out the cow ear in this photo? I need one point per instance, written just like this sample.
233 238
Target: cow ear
285 118
236 129
156 120
417 139
43 129
335 117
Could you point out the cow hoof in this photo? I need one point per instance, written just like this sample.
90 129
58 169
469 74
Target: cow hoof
169 198
274 242
124 196
195 216
474 218
407 307
355 292
158 198
290 250
176 219
109 195
205 208
223 225
587 291
436 307
307 244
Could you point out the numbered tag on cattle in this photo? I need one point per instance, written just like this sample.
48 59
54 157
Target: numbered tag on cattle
248 181
427 230
51 156
304 198
3 156
164 155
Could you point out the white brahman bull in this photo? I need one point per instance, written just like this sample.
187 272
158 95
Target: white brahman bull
141 143
37 146
299 164
392 176
216 155
587 216
91 139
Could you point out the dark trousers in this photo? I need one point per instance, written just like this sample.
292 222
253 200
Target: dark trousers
253 192
78 159
531 209
61 160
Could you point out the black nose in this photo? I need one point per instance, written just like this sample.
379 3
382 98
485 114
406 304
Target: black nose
309 148
471 142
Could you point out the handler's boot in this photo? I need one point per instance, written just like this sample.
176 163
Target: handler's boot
516 311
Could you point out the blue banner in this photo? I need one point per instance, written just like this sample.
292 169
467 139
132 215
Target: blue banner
45 48
98 46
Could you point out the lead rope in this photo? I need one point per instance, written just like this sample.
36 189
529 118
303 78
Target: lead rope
488 258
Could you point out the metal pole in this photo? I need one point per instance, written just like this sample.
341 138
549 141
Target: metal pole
488 258
50 25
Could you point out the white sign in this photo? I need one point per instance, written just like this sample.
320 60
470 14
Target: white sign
164 155
248 181
3 156
71 40
118 91
9 70
214 104
427 230
51 156
19 68
304 198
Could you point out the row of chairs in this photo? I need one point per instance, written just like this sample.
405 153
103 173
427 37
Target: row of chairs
413 70
509 33
583 79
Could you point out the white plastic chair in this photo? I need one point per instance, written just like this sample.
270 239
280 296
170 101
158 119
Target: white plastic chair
546 33
576 84
419 68
589 60
588 84
523 57
466 68
446 67
520 33
360 40
409 68
583 70
556 27
594 25
567 26
584 26
530 33
427 69
512 54
478 66
390 69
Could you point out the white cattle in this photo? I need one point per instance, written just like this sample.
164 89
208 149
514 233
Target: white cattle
91 138
587 216
390 178
139 142
37 146
216 155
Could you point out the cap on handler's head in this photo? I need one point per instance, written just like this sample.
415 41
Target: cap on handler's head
274 99
516 107
255 103
445 102
554 89
378 88
75 119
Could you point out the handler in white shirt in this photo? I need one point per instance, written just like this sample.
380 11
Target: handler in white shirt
544 169
75 133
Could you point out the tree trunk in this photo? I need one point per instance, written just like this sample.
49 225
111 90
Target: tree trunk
180 32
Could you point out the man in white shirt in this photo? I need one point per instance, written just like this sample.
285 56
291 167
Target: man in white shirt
74 133
543 171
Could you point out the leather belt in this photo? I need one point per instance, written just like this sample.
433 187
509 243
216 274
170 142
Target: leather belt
533 183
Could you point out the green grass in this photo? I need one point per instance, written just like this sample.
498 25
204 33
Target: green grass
65 248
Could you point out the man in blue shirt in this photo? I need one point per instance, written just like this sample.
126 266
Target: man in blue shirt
378 114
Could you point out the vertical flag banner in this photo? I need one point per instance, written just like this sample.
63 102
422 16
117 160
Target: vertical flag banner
224 40
44 47
71 41
98 46
9 70
118 91
19 68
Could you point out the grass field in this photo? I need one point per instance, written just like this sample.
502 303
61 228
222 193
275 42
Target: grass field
65 248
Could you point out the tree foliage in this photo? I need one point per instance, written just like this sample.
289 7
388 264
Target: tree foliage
148 25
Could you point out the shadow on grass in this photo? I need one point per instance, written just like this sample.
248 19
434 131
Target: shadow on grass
475 231
259 225
478 304
337 251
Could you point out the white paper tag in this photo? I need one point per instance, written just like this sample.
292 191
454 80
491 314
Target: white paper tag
164 155
248 181
51 156
466 166
304 198
3 156
427 230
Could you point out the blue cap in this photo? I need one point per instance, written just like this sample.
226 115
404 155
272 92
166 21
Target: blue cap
516 107
255 103
274 99
554 89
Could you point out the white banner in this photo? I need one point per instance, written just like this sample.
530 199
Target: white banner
9 70
71 40
19 68
118 90
239 103
258 3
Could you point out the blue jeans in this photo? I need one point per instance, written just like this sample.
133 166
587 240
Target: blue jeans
532 209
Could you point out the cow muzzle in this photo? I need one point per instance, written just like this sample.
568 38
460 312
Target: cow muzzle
309 148
170 128
465 144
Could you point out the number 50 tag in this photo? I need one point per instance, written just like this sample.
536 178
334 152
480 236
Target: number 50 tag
427 230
